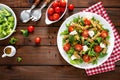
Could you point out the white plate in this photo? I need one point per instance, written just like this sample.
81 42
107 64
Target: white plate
15 19
106 25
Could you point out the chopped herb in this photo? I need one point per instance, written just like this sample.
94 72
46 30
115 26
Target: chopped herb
19 59
13 40
25 33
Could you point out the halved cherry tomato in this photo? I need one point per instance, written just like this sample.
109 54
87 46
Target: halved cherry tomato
62 3
97 48
66 47
87 22
50 11
86 58
78 47
71 28
55 4
71 7
85 33
104 34
56 16
37 40
30 29
57 9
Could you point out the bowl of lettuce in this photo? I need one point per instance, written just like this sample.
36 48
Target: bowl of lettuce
8 21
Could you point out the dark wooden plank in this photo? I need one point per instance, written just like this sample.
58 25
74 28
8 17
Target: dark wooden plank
48 36
35 55
112 12
52 73
77 3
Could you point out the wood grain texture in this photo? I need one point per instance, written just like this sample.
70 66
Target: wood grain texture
43 61
83 3
52 73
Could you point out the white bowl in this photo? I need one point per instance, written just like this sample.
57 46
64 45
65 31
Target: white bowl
47 21
15 19
105 25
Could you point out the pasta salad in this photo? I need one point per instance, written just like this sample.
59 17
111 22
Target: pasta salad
85 40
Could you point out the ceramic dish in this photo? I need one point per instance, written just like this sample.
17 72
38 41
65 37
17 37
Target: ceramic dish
105 24
47 21
3 6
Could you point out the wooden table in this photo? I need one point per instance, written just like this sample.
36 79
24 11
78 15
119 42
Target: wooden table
44 62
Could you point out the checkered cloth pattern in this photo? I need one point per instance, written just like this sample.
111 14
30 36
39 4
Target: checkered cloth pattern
109 65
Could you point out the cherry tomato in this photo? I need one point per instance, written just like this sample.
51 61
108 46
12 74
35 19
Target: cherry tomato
55 4
57 9
86 58
62 9
66 47
37 40
62 3
30 29
50 11
97 48
85 33
56 16
50 17
71 28
87 22
71 7
78 47
104 34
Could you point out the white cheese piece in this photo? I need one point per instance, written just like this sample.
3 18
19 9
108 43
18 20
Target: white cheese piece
73 57
73 32
85 48
91 33
102 45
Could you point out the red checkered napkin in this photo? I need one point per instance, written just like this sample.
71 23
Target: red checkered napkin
115 56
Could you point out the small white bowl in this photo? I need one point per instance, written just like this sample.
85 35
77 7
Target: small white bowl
47 21
15 19
11 54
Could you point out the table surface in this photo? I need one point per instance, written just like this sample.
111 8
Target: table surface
44 62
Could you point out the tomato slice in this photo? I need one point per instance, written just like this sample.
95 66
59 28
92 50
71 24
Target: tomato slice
86 58
78 47
104 34
71 28
97 49
87 22
85 33
66 47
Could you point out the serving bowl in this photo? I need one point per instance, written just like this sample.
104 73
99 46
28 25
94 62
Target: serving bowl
48 21
15 19
105 24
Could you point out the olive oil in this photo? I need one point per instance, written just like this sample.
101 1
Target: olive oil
8 50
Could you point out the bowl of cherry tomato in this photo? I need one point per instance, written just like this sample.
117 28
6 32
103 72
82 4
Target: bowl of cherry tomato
56 11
